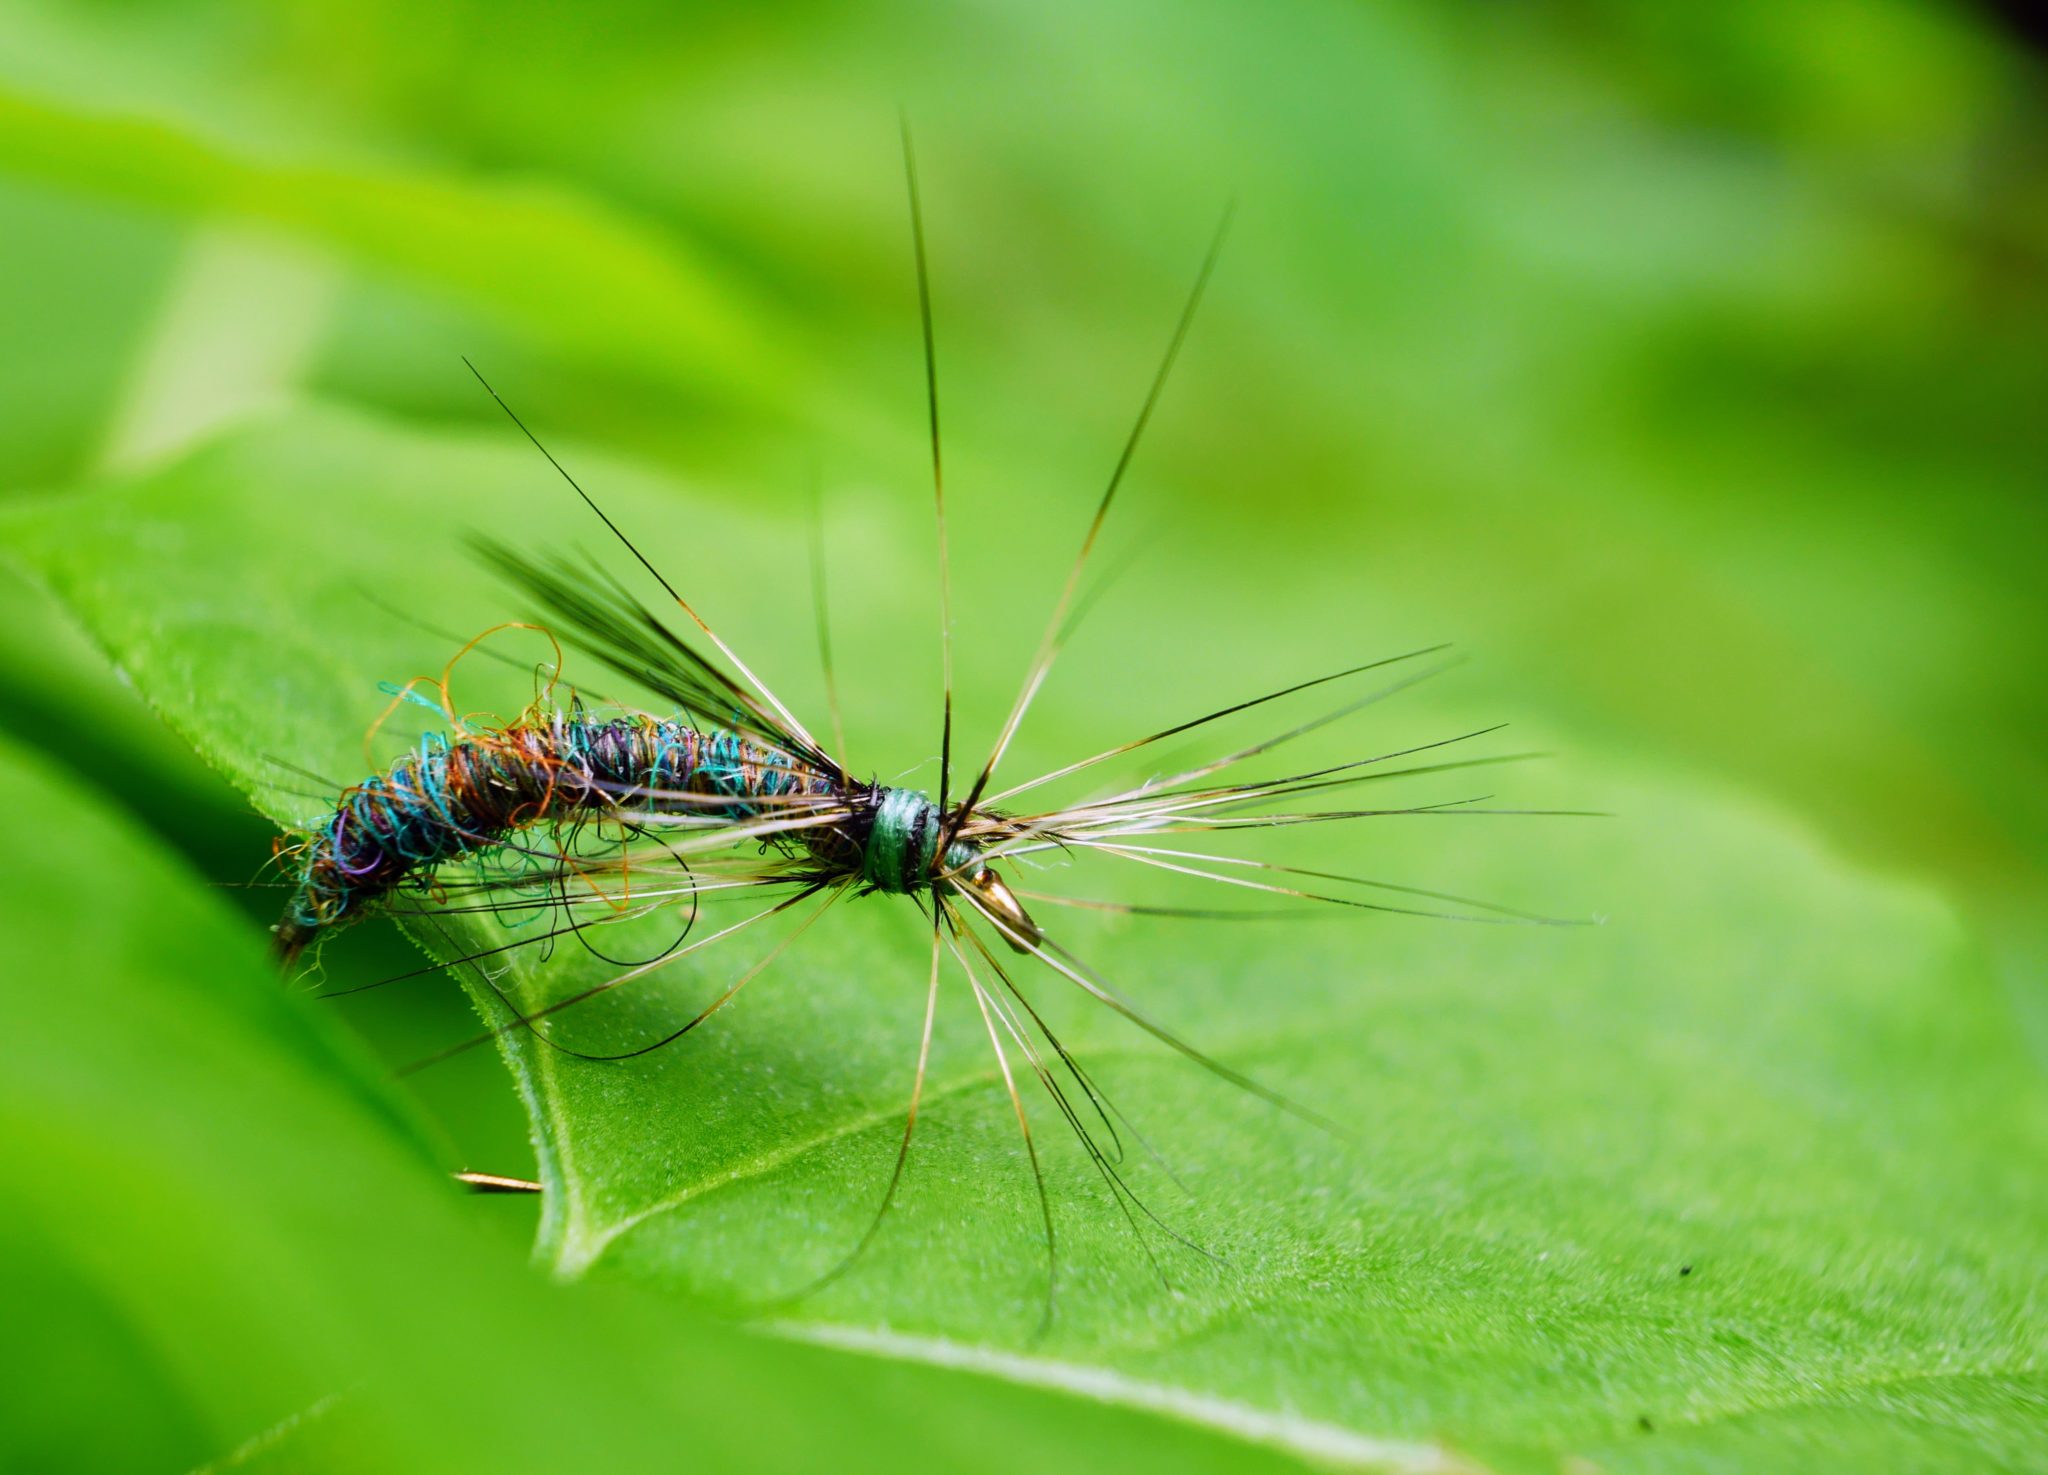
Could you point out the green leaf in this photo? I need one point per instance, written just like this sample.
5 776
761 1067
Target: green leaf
212 1252
558 268
1745 1176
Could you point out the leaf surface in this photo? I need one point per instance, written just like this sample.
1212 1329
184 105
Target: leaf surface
1744 1173
217 1253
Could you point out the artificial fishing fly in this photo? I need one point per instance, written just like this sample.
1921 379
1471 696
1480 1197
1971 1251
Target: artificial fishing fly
730 795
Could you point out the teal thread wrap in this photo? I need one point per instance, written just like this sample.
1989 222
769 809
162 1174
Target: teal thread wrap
901 844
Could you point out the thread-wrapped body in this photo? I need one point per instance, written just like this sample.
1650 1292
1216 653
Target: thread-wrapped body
453 797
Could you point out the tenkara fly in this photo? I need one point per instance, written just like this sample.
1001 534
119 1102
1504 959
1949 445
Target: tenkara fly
729 792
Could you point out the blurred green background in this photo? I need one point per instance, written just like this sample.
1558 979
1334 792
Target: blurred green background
1682 364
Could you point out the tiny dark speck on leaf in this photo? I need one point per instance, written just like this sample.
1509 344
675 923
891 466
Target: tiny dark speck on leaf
1643 1420
1685 1270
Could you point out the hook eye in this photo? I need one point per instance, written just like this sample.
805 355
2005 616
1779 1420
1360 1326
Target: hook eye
1017 928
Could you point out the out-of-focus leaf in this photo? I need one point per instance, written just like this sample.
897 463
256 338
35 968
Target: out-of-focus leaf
560 269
